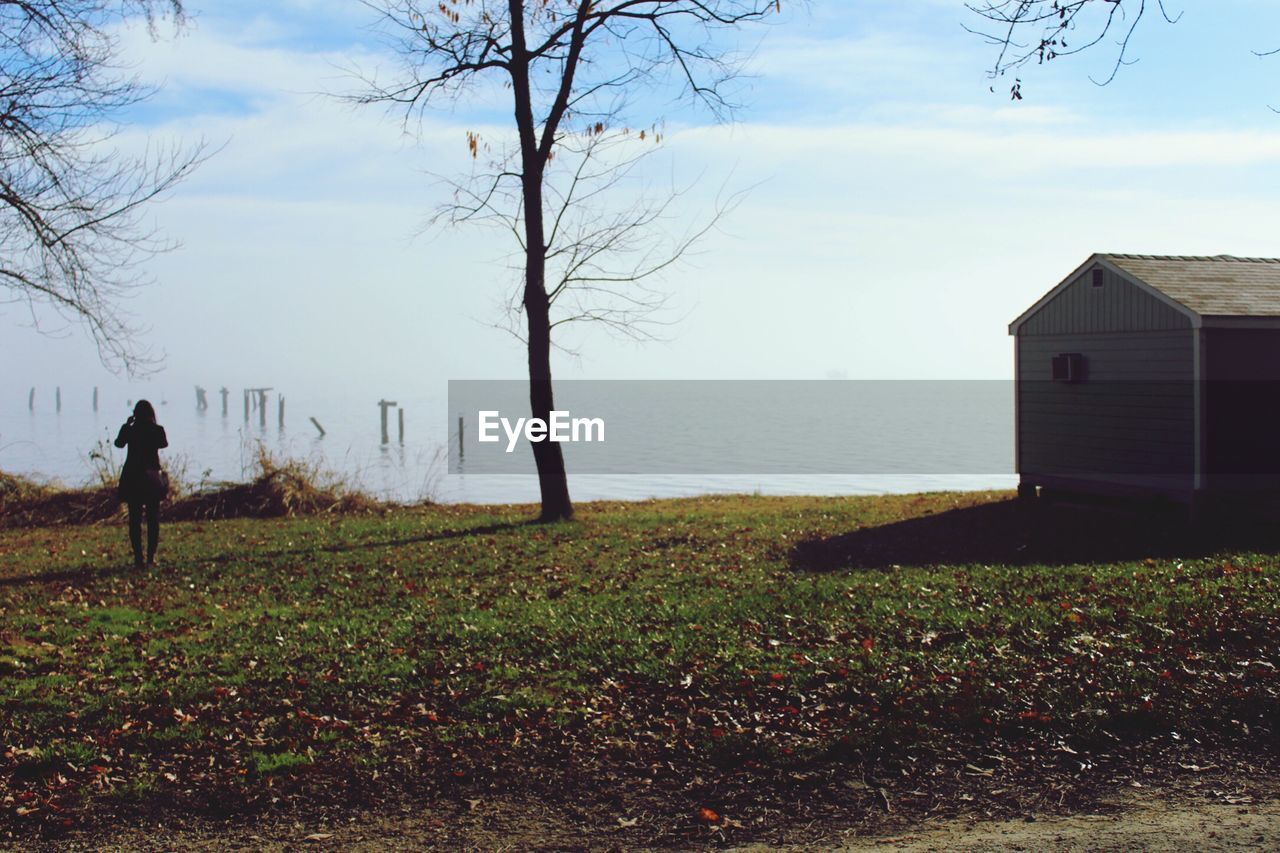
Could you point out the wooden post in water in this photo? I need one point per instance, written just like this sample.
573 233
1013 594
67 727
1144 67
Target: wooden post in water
319 428
280 406
384 405
202 402
259 398
224 392
401 414
95 398
57 398
460 441
31 400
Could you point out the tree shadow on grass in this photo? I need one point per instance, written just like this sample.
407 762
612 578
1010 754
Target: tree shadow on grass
434 536
77 576
1014 533
86 574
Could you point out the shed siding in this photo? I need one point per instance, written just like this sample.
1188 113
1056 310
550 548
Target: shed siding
1119 305
1241 393
1242 355
1129 423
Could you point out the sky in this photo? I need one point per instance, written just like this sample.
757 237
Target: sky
898 209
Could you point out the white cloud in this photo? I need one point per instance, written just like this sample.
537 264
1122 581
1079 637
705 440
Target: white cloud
994 148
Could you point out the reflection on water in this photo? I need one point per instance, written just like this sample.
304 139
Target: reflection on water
206 446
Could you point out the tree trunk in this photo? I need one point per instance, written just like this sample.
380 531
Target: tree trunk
547 455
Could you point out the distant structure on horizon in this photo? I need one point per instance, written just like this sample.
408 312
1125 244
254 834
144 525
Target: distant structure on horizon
1152 375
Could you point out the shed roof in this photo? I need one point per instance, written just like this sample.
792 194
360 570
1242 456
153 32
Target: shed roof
1210 289
1220 285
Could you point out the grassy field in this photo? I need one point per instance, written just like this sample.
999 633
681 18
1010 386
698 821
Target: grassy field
698 660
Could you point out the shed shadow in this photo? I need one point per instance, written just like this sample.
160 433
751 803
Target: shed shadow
1012 533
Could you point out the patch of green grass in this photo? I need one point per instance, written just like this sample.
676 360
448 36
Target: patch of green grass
74 753
115 620
736 631
137 790
265 764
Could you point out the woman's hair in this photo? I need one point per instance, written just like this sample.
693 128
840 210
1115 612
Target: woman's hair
144 411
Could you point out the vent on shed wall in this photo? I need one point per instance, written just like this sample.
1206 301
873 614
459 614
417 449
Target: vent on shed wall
1068 367
1097 276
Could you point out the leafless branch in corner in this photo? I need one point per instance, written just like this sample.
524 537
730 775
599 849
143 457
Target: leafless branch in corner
1024 31
72 234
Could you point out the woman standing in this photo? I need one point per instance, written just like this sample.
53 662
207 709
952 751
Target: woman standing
143 483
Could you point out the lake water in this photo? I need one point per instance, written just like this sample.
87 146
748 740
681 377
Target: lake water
204 445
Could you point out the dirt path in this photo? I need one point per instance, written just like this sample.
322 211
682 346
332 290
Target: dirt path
1149 820
1147 823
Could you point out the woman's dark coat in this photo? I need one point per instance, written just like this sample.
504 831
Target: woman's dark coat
141 479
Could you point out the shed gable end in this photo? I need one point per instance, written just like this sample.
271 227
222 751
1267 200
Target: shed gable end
1115 304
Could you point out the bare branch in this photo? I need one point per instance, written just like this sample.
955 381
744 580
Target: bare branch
71 233
1058 28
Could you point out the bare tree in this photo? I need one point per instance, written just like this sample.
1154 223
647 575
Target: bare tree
1043 30
572 68
71 233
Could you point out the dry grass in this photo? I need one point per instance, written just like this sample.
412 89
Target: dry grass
16 488
279 487
27 503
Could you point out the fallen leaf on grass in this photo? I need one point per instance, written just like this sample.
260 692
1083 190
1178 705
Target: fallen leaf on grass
319 836
627 822
707 815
